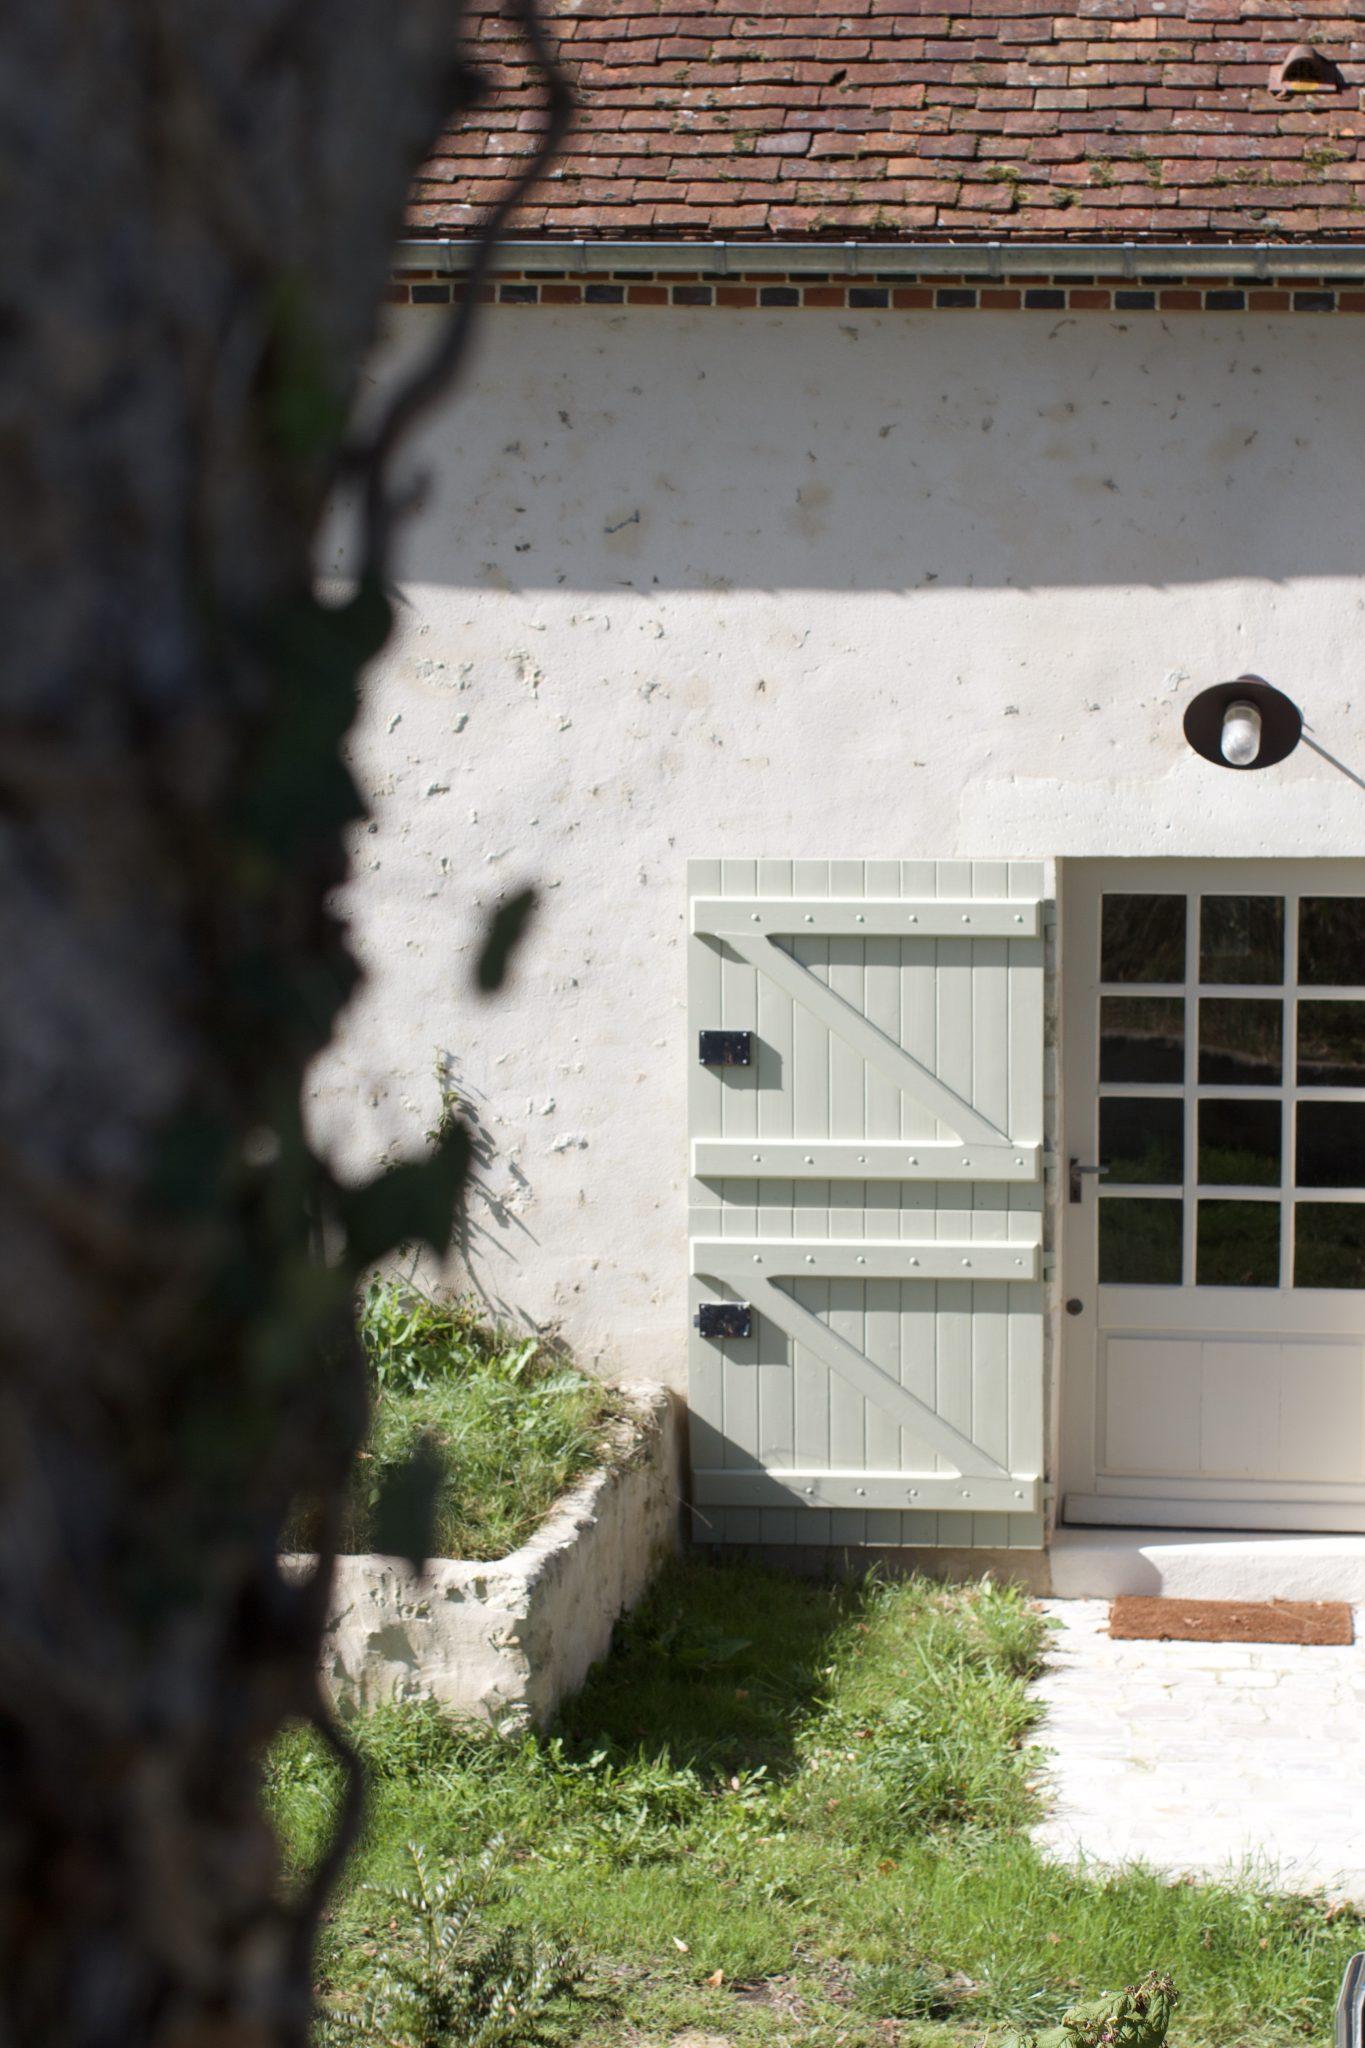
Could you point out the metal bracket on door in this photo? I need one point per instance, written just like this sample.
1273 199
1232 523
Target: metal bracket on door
1074 1172
720 1319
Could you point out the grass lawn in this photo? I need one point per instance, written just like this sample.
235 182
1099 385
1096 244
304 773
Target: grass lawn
513 1422
788 1813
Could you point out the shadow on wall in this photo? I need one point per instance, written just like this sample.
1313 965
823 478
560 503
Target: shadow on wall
669 450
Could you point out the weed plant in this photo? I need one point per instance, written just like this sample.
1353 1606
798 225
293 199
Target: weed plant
512 1421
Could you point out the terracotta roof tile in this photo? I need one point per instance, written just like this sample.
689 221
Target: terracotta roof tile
985 120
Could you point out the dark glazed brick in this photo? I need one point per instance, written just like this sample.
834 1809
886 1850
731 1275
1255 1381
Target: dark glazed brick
604 294
431 295
1225 302
1315 302
865 295
1134 302
779 295
1044 301
692 295
954 295
518 294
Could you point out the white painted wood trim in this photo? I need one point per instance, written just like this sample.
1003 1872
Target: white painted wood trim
866 918
1015 1494
866 1040
866 1159
737 1259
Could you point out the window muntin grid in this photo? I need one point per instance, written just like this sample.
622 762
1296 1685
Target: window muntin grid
1213 1003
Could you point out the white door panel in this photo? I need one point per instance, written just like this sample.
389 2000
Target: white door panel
1214 1047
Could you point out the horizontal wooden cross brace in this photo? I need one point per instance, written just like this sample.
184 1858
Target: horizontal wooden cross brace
862 1159
739 1260
867 918
1013 1494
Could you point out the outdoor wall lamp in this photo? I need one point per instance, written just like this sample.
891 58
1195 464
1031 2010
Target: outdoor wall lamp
1246 723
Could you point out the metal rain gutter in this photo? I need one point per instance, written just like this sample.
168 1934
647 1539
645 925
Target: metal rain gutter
976 259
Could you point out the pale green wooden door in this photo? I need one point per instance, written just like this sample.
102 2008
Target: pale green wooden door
870 1184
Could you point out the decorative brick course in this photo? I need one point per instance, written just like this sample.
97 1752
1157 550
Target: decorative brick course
898 291
1088 120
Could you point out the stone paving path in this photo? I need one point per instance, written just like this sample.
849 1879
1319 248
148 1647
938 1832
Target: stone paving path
1205 1757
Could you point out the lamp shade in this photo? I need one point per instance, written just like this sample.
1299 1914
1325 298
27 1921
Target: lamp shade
1232 742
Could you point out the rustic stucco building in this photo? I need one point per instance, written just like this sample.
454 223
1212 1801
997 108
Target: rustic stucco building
889 421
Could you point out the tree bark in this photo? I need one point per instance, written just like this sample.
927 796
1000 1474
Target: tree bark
198 206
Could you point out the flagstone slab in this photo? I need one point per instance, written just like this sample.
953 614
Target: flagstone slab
1204 1759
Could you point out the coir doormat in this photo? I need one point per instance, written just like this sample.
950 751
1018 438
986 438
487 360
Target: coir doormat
1134 1618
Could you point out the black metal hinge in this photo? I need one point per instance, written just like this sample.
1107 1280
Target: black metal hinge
724 1319
725 1048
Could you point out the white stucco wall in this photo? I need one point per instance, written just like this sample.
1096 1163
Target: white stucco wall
808 584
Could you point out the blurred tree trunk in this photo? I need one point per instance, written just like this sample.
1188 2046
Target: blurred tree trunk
198 203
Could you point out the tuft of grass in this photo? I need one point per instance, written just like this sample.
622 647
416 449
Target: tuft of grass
512 1421
784 1813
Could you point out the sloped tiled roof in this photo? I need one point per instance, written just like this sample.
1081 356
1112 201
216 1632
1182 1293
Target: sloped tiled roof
1114 120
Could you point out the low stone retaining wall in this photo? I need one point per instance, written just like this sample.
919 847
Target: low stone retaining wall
506 1641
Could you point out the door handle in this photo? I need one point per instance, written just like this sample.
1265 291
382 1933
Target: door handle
1074 1189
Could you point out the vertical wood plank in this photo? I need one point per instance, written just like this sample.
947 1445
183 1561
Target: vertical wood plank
739 1012
990 1203
705 1376
919 1327
1027 1328
847 1119
810 1198
776 1376
881 1212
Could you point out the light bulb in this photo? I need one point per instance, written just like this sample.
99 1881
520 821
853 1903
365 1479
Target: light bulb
1241 741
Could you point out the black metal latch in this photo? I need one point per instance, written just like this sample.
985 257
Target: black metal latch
724 1319
725 1048
1075 1177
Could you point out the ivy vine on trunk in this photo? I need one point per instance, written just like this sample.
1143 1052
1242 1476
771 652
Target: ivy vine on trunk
198 207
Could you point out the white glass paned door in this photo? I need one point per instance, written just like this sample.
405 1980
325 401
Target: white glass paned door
1214 1240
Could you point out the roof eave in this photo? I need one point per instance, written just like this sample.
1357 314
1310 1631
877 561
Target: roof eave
985 259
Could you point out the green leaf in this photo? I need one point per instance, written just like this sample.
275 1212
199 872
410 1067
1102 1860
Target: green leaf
505 931
405 1509
412 1203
